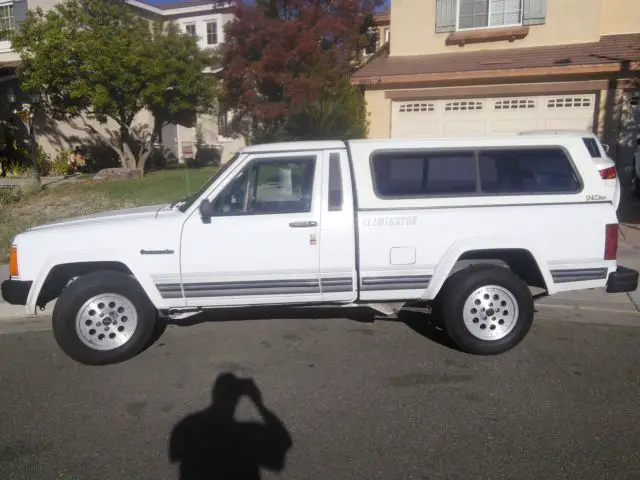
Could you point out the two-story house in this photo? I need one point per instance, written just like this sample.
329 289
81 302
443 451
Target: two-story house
204 19
491 67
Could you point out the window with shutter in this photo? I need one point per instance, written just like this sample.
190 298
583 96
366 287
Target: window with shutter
7 22
534 12
212 33
473 14
446 15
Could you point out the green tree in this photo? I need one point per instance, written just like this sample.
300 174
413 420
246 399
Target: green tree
97 59
287 64
340 114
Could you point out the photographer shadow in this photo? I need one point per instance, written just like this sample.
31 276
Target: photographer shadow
211 444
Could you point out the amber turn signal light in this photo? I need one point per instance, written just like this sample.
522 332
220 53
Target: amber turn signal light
13 262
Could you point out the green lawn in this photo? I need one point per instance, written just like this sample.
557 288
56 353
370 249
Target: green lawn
75 198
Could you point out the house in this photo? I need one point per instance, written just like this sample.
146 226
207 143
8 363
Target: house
205 20
491 67
202 18
380 34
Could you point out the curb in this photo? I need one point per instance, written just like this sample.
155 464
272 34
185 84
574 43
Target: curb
610 310
13 312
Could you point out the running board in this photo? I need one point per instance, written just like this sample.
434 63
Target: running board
389 309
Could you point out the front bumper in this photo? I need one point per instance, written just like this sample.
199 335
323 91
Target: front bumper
622 280
15 292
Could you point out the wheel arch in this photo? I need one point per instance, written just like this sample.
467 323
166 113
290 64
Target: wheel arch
60 275
56 276
519 258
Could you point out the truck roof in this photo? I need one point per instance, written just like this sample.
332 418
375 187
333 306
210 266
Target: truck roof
539 138
294 146
566 132
519 138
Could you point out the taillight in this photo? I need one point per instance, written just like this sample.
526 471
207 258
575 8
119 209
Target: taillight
611 242
13 262
608 173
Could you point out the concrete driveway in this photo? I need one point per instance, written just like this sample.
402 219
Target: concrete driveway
341 399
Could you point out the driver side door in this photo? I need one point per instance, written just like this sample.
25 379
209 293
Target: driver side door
260 245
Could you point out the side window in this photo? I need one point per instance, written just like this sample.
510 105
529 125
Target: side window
416 174
527 171
269 186
592 146
335 183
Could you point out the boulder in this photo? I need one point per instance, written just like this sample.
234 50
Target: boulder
110 174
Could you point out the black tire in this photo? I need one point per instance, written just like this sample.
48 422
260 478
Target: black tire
158 330
460 286
82 290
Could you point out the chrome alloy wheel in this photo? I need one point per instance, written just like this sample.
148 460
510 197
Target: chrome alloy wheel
106 322
490 312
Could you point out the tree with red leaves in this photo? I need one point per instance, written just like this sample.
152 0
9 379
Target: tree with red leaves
287 65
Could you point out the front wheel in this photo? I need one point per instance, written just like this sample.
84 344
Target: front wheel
103 318
487 310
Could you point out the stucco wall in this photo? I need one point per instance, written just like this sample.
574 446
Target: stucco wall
567 21
44 4
379 111
54 136
620 16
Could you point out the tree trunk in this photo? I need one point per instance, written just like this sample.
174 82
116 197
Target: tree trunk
129 157
145 153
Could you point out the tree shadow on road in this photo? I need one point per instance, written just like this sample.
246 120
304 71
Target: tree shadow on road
211 444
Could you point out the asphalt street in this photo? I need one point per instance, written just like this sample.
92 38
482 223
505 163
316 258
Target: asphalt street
341 399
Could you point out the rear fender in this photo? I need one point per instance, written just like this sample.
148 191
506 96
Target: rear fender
453 254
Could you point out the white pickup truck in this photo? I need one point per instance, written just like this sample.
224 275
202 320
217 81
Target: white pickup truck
466 225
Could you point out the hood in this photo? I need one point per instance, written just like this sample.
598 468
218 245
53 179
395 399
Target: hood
129 214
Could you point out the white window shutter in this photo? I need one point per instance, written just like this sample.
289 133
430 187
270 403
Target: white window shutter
445 16
535 12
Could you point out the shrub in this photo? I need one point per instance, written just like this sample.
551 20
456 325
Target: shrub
60 168
21 164
43 161
340 115
17 169
9 196
60 164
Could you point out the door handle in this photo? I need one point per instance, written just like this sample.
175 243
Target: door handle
303 224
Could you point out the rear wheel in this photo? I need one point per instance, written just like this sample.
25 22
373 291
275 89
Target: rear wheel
486 310
103 318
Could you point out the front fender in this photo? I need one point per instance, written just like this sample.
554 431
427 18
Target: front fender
89 256
457 249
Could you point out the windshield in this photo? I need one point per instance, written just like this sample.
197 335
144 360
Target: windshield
188 201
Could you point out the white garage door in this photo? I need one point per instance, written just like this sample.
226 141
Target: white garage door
491 116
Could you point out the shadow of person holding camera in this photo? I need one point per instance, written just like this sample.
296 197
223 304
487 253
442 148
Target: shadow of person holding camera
211 444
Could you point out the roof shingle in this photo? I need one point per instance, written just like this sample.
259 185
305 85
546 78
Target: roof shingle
610 49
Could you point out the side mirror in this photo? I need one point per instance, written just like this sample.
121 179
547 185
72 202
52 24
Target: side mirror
206 209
